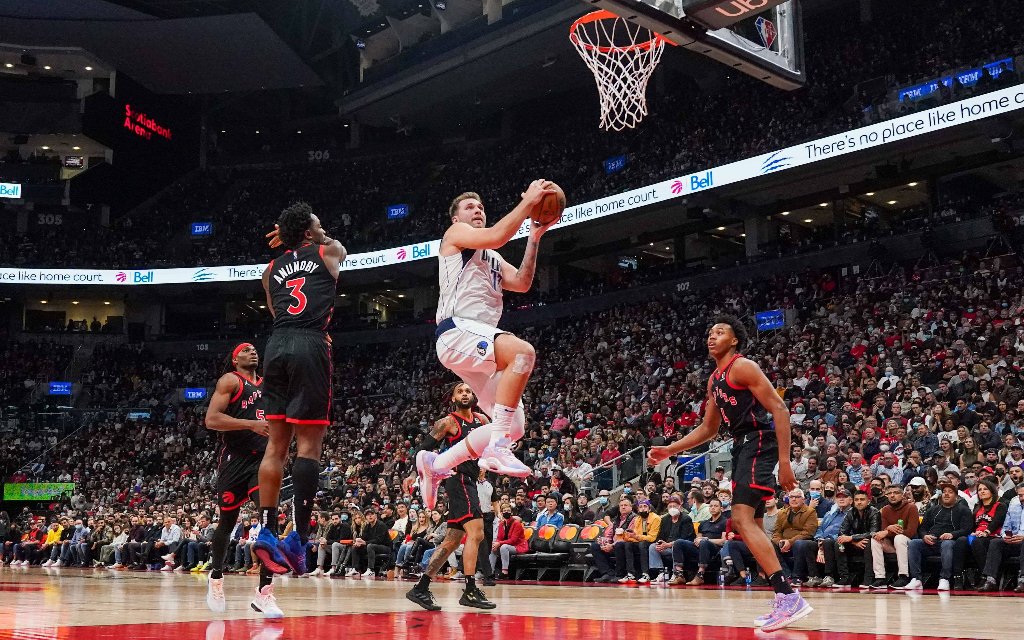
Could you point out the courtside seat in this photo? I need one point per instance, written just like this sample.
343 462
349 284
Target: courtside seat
580 558
540 543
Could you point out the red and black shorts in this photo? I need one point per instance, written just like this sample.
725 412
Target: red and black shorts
754 456
238 480
463 500
297 370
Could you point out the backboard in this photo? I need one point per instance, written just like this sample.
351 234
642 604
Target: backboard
764 41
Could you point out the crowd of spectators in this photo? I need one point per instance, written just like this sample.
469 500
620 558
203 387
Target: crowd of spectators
912 381
689 128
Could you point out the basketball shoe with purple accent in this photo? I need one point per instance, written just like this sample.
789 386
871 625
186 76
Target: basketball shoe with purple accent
791 608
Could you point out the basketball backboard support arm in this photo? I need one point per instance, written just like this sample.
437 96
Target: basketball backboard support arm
778 60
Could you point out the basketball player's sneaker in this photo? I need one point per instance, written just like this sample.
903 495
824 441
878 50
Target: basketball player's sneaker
423 598
294 552
268 549
215 595
429 478
762 620
264 602
498 458
474 597
789 608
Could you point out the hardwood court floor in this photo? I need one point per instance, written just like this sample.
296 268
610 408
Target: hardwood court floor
87 604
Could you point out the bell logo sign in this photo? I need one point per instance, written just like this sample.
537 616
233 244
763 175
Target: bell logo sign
10 190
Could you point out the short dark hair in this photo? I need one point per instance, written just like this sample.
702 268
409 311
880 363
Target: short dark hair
293 223
738 328
861 492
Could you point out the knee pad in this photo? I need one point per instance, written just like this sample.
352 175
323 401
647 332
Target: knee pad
523 363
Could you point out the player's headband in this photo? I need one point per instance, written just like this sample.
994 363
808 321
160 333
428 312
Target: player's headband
238 349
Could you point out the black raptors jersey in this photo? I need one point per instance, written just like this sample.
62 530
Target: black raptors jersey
470 467
302 289
246 404
741 412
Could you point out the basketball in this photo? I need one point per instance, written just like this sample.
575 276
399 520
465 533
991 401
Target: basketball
551 207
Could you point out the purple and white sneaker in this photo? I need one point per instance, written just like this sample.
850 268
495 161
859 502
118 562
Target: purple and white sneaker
791 608
762 620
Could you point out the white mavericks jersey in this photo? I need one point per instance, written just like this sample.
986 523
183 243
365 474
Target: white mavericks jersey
470 284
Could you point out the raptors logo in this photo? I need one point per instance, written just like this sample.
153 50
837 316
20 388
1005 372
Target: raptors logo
227 498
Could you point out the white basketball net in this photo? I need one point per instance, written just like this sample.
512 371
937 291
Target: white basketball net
622 57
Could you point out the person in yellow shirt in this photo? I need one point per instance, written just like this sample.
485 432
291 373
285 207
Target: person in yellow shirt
51 544
644 531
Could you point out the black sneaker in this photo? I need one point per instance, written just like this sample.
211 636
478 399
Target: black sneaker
901 582
424 598
879 583
489 581
475 598
759 581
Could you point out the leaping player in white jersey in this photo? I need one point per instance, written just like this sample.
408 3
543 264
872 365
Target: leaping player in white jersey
496 364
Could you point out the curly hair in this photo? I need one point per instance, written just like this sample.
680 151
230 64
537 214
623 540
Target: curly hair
738 328
294 222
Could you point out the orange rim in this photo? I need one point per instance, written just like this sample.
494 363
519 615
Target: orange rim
604 14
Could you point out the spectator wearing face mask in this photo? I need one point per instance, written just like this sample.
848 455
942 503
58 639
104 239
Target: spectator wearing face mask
644 532
571 512
940 529
817 500
675 525
699 510
509 540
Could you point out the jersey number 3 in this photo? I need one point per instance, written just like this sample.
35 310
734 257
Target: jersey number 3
295 289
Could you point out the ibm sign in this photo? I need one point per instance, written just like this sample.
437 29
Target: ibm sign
60 388
195 393
202 228
10 190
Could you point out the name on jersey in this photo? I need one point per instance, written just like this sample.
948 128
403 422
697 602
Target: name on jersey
721 396
288 270
495 265
252 399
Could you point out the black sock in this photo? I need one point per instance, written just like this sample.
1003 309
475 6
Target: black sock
268 516
216 574
305 477
470 583
424 582
219 546
779 583
266 577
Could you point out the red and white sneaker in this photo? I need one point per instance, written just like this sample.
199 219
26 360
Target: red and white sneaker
429 479
498 458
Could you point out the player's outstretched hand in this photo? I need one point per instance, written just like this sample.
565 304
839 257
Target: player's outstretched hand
536 191
408 484
656 455
274 237
261 427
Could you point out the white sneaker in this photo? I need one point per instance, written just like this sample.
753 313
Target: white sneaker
367 574
943 585
116 566
215 595
663 577
57 564
264 602
644 579
351 573
167 567
48 563
333 571
913 584
316 572
168 558
629 577
428 478
498 458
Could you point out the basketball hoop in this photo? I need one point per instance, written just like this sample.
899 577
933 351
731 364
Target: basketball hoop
622 57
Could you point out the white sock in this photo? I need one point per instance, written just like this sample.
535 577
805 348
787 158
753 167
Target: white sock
502 425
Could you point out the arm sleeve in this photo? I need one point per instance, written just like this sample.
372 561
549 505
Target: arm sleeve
998 519
847 526
965 522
